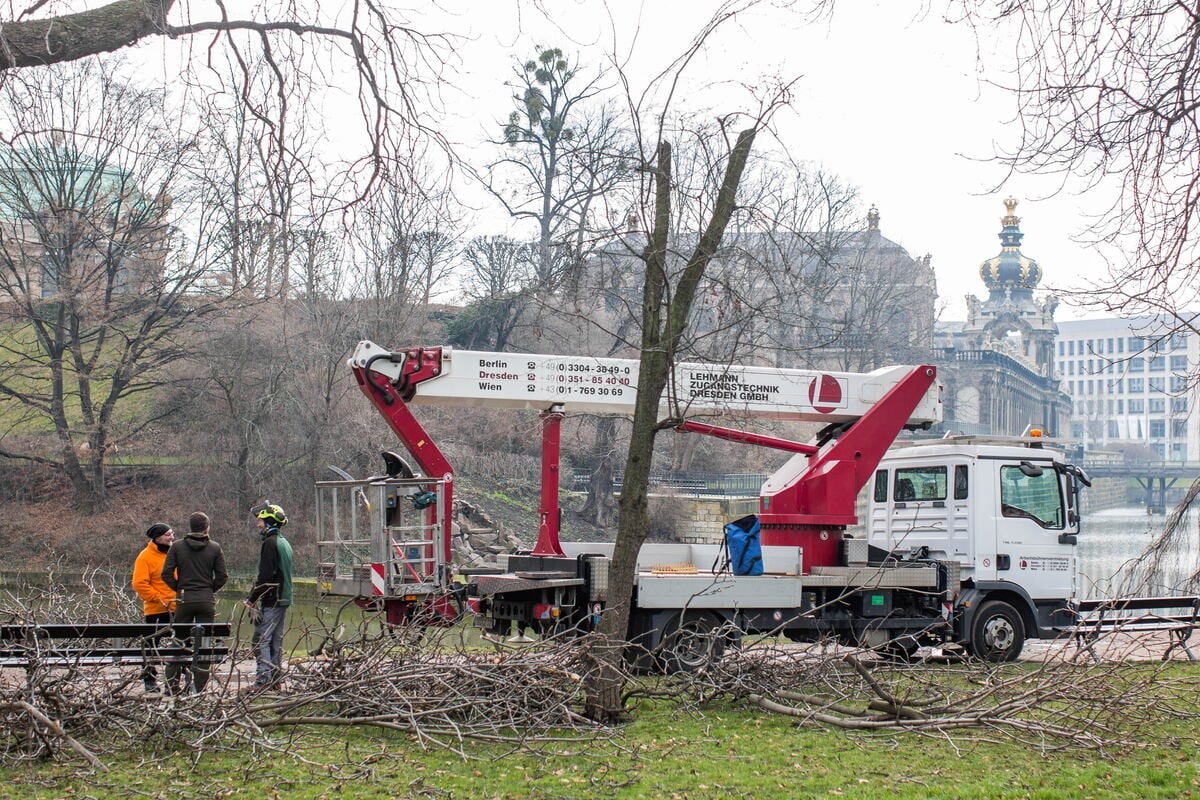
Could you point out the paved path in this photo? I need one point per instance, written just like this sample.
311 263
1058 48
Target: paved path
1112 647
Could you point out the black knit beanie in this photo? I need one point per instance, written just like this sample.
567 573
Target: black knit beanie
157 529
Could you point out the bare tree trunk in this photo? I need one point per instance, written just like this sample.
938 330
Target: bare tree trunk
242 478
37 42
664 320
77 472
684 452
601 507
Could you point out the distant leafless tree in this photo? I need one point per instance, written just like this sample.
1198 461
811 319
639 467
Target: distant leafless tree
259 198
783 259
101 297
317 264
405 246
600 506
564 155
497 278
242 418
882 311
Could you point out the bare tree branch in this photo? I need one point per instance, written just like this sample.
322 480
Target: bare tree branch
70 37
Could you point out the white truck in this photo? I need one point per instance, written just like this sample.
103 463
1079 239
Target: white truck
966 541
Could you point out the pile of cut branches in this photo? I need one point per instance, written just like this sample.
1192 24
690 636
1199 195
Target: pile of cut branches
440 696
430 686
1062 702
437 691
443 694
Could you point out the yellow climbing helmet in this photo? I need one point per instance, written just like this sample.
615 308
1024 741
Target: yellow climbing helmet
269 513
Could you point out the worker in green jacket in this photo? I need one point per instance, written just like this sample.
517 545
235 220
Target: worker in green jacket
271 595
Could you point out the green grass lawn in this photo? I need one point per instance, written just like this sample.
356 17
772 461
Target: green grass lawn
724 751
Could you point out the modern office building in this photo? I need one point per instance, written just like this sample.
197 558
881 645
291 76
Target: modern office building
1130 387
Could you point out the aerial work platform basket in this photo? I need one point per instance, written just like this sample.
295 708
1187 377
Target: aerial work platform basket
381 538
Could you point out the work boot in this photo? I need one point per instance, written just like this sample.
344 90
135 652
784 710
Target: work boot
256 688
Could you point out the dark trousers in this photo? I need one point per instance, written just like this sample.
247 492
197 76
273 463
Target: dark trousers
149 674
187 613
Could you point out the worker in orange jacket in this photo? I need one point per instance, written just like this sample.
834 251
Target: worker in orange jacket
158 599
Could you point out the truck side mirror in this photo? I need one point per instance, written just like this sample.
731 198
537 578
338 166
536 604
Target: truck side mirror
1075 471
1083 477
1030 470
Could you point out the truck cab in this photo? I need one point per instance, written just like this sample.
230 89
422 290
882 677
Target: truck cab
1005 511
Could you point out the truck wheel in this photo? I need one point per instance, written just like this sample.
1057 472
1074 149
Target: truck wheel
691 641
997 633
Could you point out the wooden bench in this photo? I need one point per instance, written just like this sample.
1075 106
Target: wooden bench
1095 619
72 644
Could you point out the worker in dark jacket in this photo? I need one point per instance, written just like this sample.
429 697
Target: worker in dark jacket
272 593
195 569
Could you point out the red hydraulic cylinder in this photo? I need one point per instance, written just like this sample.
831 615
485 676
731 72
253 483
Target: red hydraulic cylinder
745 437
812 508
548 512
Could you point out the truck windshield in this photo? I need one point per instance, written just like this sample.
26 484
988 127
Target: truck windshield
1031 497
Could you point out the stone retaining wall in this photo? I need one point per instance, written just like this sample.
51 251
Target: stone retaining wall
1104 493
706 518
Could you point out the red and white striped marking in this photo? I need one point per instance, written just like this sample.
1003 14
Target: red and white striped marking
377 583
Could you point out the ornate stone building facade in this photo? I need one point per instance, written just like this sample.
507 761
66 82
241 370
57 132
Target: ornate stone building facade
998 367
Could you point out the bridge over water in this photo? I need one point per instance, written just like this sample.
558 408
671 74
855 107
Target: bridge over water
1154 477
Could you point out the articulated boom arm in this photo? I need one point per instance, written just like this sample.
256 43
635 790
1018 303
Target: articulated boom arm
874 406
822 487
445 377
389 380
811 499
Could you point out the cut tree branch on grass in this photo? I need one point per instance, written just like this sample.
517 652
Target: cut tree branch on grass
1064 702
56 729
437 692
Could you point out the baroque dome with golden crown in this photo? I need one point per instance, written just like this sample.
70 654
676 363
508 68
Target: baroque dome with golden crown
1010 269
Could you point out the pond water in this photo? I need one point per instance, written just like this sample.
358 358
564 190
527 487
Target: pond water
1112 544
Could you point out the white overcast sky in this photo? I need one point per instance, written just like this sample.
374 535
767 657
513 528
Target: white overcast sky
890 100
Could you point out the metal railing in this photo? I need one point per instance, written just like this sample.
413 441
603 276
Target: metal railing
686 482
373 539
